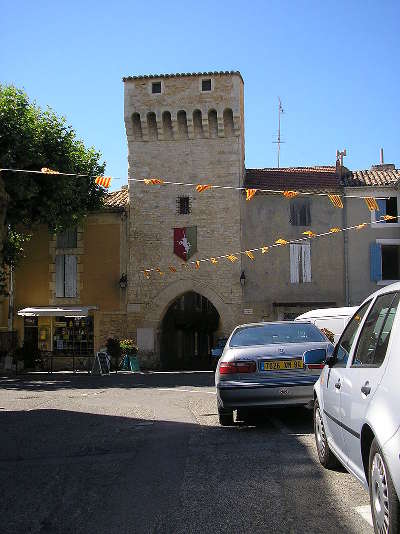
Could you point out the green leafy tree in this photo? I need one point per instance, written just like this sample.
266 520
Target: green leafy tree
30 139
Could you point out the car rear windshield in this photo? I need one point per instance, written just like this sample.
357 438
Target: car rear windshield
270 334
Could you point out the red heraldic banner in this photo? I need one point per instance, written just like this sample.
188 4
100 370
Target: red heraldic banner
185 242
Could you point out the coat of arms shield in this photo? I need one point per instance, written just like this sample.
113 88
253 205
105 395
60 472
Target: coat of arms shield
185 242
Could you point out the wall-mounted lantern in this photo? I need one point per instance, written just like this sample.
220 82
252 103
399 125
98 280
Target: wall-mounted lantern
123 281
242 279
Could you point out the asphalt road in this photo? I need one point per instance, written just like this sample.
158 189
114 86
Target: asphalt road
144 453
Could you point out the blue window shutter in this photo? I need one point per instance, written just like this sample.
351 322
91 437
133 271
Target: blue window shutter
376 261
382 208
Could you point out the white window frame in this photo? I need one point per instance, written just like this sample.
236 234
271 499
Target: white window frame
151 87
385 225
387 242
201 84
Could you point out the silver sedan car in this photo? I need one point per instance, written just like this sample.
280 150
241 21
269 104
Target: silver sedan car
269 364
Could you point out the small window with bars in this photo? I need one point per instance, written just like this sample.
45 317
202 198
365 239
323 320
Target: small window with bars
156 87
206 85
183 205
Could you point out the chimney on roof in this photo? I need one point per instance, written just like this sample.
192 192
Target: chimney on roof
339 161
383 166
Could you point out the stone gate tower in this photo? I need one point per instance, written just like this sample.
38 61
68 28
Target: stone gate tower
183 128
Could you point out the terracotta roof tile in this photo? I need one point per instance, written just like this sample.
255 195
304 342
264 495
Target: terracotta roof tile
372 177
176 75
117 199
321 178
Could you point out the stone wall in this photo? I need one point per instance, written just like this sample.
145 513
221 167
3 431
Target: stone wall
3 204
185 135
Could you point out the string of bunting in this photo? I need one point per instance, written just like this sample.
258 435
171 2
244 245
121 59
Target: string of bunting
233 257
105 181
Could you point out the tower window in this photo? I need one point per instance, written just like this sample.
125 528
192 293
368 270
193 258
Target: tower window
183 205
206 85
156 87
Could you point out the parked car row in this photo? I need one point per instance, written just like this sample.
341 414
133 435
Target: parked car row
353 386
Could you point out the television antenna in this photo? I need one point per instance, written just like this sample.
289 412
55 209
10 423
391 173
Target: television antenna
279 140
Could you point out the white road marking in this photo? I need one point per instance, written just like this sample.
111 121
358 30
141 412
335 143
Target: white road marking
187 391
365 513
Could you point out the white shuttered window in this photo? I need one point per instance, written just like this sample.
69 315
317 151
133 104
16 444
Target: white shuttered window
66 275
300 263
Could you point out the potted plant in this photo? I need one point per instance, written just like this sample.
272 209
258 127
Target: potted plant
114 351
129 351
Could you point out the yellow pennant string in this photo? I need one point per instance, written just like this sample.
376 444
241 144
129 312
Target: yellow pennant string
264 250
372 204
153 181
309 234
159 271
146 274
213 260
104 181
335 230
232 258
281 242
201 188
250 255
336 201
197 265
250 193
172 269
361 226
290 194
389 217
45 170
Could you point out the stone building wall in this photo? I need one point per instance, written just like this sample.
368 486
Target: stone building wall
187 135
3 204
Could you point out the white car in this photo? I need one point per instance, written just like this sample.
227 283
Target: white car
332 319
357 405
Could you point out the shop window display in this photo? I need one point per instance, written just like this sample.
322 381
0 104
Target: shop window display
73 335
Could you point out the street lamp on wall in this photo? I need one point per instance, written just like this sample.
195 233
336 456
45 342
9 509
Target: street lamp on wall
242 279
123 281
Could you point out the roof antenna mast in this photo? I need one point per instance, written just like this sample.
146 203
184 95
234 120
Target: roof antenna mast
279 141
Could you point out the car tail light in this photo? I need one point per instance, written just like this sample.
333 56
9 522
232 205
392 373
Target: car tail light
316 365
227 368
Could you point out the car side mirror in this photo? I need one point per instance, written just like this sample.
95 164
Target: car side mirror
330 359
315 357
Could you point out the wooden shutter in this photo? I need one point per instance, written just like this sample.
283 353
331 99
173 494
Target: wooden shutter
60 275
67 239
376 261
70 275
382 208
294 263
306 262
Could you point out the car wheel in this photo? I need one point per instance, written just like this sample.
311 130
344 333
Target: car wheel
225 417
325 455
385 505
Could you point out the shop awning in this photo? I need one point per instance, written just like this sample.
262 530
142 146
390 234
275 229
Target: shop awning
61 311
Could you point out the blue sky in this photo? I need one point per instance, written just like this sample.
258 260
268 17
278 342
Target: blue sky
335 65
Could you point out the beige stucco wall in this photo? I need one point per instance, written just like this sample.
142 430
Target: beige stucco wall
266 219
359 277
153 211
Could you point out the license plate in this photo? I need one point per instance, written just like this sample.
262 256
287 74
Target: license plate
282 365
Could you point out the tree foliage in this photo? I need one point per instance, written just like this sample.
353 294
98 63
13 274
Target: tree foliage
30 139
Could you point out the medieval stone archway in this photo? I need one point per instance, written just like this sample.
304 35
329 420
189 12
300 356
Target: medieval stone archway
188 333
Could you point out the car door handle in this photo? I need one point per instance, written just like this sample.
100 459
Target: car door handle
338 385
366 389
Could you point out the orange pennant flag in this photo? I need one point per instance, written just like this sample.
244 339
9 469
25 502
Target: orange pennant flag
45 170
172 269
201 188
335 230
250 255
361 226
232 258
336 201
309 233
146 274
104 181
281 242
159 271
153 181
264 250
389 217
290 194
197 265
372 204
250 193
213 260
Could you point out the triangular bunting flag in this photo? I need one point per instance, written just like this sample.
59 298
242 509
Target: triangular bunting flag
250 193
336 201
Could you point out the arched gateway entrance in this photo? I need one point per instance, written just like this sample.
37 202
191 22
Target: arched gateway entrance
187 333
